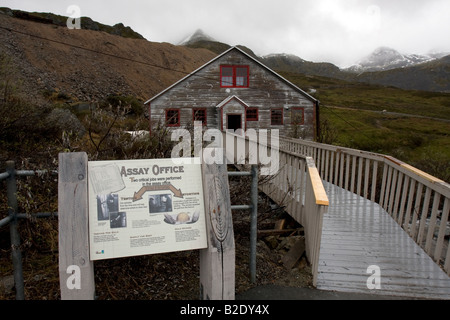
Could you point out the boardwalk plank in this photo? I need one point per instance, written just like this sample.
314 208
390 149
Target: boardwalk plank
358 233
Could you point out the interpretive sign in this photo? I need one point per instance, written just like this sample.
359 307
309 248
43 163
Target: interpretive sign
139 207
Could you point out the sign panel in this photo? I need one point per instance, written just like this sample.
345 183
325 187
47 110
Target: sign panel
139 207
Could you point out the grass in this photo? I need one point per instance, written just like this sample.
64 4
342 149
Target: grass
408 136
334 92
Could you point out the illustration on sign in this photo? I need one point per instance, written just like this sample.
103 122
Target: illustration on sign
139 207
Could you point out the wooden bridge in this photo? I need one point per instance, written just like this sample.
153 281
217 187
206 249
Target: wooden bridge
373 224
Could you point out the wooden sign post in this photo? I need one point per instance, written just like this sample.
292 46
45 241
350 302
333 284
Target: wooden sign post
76 266
217 262
76 271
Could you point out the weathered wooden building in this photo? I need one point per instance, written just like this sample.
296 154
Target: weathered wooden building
236 91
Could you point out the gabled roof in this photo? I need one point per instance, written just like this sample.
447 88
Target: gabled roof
248 56
224 102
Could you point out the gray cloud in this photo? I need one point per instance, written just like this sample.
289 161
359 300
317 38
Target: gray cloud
339 31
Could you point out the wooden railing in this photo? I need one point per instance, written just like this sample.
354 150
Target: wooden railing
417 201
295 184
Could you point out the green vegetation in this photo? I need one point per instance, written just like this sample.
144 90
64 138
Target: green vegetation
415 127
86 22
341 93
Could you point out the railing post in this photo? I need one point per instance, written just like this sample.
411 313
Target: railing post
14 233
76 271
217 262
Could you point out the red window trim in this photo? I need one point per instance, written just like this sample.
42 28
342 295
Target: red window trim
178 118
234 85
303 116
271 117
200 109
252 109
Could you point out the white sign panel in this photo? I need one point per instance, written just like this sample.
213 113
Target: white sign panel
139 207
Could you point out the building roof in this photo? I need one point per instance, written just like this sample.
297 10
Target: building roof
248 56
224 102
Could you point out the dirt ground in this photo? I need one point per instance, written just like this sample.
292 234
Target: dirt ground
169 276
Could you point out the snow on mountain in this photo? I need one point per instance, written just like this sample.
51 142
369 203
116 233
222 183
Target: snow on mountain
385 58
283 55
198 35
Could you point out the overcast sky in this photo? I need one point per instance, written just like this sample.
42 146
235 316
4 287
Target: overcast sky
337 31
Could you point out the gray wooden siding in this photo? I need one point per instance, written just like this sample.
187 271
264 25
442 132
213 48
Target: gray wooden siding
266 91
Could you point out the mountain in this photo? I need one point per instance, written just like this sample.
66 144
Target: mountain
197 36
86 65
98 61
293 63
57 20
433 75
385 66
385 58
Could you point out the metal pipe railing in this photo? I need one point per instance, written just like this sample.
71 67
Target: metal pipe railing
16 254
13 217
254 214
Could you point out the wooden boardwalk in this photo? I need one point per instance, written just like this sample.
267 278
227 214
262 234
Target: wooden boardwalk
358 233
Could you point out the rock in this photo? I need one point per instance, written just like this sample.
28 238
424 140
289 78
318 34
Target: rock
303 263
7 284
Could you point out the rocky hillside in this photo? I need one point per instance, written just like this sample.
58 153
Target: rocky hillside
88 65
57 20
292 63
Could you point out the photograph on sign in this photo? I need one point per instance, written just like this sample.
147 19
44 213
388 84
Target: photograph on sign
139 207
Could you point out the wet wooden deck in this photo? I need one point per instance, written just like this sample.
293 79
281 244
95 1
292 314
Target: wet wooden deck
358 233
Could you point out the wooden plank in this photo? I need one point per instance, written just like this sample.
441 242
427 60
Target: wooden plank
383 184
412 188
414 283
366 179
421 173
405 268
217 262
76 271
397 196
432 222
387 289
424 215
353 176
416 210
358 233
401 210
390 207
319 191
341 171
294 254
374 181
441 235
347 171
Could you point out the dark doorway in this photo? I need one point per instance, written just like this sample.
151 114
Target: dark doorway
234 121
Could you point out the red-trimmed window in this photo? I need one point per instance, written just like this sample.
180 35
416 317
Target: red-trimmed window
200 115
173 117
252 114
298 116
276 117
234 76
